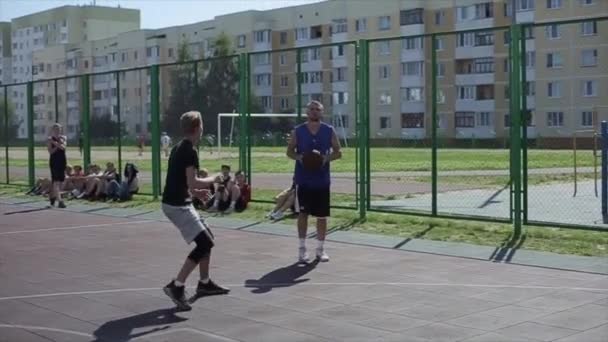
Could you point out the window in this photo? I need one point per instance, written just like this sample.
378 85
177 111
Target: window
411 17
483 65
589 57
412 68
361 25
589 28
384 72
384 98
465 39
384 23
262 36
464 13
555 119
340 98
412 120
587 2
302 33
530 88
484 38
262 80
484 119
465 92
438 44
412 43
283 38
589 88
262 59
464 119
554 3
339 74
284 103
439 17
383 48
339 26
242 40
525 5
553 31
554 60
484 92
266 101
529 32
587 118
282 59
316 32
440 96
284 81
336 52
554 89
530 59
385 122
412 94
340 121
485 10
440 69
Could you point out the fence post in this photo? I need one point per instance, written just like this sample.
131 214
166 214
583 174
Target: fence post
299 83
242 110
30 135
363 126
154 105
57 103
434 124
247 100
6 134
516 124
605 171
119 121
524 131
86 141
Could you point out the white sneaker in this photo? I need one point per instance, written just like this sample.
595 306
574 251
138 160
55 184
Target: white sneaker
303 256
277 215
269 215
321 255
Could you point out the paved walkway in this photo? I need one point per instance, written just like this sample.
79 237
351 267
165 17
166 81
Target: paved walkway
95 273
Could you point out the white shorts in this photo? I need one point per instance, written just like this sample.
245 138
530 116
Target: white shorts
186 219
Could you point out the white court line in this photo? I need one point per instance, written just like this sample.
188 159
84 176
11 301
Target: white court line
313 284
76 227
87 335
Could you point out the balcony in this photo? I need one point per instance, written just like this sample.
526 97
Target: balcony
468 52
475 105
474 24
481 132
413 106
475 71
412 81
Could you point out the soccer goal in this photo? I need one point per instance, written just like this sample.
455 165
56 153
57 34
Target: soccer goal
233 118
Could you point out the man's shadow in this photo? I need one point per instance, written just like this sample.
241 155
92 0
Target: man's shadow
282 277
121 330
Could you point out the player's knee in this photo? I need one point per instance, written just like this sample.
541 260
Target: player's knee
199 253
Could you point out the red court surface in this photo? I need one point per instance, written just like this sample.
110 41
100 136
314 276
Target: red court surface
69 276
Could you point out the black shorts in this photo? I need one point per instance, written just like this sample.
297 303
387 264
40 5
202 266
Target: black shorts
312 201
57 173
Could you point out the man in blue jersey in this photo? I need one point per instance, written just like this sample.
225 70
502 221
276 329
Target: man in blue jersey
313 186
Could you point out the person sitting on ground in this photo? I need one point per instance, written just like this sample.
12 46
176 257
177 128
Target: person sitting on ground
101 182
284 200
245 192
43 184
129 186
203 198
90 182
222 186
78 181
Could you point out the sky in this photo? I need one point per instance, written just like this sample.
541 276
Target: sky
153 13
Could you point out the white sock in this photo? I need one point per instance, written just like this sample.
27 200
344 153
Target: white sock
178 283
204 281
320 242
302 243
232 204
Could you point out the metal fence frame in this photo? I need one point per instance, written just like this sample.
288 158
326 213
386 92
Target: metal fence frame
517 103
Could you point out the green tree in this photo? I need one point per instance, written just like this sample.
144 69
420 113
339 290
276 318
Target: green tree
103 128
12 127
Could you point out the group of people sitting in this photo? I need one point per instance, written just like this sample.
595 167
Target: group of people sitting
226 194
93 183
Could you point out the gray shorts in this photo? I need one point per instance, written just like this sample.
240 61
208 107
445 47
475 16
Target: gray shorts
186 219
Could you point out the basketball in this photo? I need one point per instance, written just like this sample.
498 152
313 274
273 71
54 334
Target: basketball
312 160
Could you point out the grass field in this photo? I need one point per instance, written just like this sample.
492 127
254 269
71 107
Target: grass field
557 240
268 159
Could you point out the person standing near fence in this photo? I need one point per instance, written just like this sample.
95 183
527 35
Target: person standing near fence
56 145
313 185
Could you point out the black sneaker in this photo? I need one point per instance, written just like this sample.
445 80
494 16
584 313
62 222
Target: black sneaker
208 289
61 205
178 295
53 202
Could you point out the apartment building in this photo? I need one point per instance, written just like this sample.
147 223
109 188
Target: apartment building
564 70
5 52
41 33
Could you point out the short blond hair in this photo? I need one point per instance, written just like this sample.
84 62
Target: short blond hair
190 121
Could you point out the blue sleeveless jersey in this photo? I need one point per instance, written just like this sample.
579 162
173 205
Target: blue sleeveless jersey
306 142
